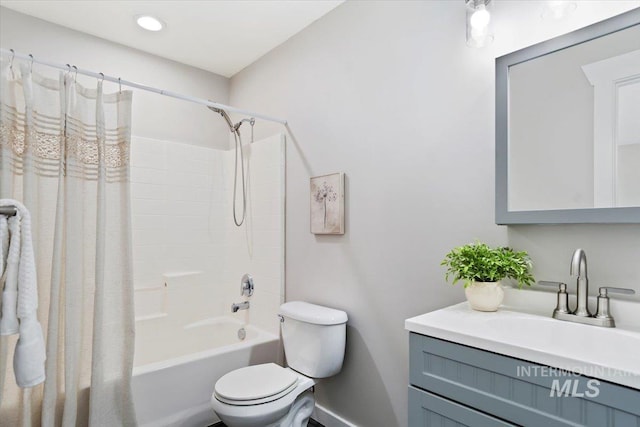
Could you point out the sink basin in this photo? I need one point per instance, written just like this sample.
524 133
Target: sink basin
571 339
529 333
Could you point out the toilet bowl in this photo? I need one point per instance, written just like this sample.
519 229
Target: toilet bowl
269 395
264 395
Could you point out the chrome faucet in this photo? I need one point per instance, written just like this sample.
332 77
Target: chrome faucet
579 269
582 314
239 306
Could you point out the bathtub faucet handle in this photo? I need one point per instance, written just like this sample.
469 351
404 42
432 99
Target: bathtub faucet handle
246 285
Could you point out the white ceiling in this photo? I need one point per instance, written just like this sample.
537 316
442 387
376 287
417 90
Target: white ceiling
221 36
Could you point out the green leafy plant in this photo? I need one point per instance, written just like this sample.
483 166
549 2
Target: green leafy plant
480 263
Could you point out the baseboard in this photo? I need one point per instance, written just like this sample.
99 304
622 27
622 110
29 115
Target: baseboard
328 418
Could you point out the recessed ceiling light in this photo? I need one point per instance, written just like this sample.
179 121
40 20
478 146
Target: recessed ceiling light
149 23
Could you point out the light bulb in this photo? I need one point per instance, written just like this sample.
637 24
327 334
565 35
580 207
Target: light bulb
480 18
479 31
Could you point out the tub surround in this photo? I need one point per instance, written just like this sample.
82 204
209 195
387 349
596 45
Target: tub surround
523 328
188 255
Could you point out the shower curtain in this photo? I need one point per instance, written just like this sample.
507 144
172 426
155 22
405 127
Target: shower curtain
64 153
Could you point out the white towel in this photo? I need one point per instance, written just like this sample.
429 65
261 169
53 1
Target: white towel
20 300
9 324
4 246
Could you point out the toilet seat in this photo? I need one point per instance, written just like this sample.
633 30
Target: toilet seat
254 385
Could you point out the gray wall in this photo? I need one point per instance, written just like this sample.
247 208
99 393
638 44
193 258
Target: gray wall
154 116
613 251
389 93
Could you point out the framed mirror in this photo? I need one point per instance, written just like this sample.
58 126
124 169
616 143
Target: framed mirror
568 127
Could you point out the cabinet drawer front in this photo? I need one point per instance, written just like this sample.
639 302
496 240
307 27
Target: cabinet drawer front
522 392
428 410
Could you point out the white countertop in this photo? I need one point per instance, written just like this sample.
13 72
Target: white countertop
610 354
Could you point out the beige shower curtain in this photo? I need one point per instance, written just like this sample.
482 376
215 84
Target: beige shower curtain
64 153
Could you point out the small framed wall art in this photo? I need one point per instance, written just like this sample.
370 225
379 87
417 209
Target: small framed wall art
327 204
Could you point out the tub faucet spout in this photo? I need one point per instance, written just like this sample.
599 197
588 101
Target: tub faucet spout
579 269
239 306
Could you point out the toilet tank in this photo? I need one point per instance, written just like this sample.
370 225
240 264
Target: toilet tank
314 338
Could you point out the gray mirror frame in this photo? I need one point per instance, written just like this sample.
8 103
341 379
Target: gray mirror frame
630 215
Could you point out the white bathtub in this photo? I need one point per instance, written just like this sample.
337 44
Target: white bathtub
175 369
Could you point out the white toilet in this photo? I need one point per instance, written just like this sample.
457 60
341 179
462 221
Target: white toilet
269 395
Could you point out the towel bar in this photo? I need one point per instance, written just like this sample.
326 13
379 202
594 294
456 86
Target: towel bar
8 210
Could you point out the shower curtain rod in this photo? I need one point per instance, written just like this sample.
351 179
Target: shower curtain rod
118 80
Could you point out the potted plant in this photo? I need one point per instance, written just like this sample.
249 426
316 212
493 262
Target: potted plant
482 268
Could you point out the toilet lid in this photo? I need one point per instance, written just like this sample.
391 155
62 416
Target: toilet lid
255 382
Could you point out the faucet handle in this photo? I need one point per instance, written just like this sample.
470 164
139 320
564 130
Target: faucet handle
246 285
562 305
602 311
603 291
562 287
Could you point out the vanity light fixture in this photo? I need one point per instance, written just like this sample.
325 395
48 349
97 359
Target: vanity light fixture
479 28
149 23
558 9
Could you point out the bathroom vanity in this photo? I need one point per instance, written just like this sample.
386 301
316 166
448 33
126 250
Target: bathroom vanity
516 368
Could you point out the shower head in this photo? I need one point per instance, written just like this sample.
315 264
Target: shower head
232 128
224 114
216 110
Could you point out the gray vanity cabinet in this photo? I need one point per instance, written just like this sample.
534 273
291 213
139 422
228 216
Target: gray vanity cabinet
456 385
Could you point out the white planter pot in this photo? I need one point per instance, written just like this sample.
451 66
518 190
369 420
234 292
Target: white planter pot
484 296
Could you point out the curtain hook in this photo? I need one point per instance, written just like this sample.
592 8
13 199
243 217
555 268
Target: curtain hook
101 77
13 55
31 64
119 85
75 77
